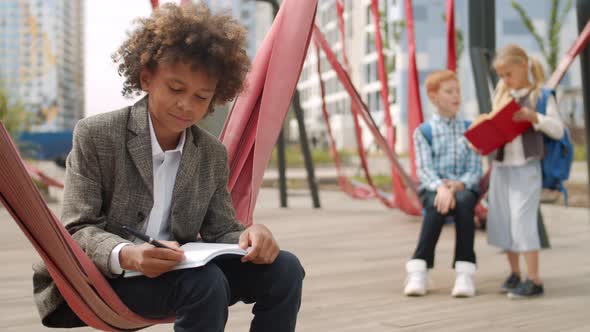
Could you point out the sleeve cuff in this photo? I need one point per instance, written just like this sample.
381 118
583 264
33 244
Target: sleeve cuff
434 185
114 264
541 119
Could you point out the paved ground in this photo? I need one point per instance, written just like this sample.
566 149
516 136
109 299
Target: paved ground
354 254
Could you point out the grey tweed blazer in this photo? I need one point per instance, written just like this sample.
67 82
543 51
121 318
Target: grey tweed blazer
109 178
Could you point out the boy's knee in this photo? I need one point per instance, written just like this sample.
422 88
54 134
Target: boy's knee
205 283
465 198
287 270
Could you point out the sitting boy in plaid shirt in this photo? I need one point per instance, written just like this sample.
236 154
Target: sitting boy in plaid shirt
449 173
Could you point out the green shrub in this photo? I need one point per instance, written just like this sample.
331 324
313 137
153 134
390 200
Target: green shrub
320 157
13 116
382 182
579 152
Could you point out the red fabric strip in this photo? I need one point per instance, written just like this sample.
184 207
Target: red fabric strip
415 116
256 119
389 133
569 57
404 195
451 49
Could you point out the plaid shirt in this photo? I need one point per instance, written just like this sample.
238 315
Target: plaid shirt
449 157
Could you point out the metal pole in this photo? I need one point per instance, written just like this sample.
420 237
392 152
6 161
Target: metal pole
282 168
482 46
311 181
583 12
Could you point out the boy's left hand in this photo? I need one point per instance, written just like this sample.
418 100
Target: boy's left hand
264 246
526 114
455 186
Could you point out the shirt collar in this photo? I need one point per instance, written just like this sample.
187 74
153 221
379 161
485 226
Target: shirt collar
437 117
519 93
156 148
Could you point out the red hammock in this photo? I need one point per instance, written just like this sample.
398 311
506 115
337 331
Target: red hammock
84 288
401 183
404 195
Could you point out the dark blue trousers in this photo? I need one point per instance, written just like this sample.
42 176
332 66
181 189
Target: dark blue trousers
200 297
463 214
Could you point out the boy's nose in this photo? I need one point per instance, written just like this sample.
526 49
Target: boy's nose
182 104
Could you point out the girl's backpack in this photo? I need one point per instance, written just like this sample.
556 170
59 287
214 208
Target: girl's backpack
559 154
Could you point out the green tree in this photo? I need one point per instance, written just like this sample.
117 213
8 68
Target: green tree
13 116
549 47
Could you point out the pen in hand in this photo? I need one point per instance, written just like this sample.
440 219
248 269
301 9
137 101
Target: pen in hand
144 237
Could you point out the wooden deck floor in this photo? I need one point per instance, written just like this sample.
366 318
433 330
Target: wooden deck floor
354 254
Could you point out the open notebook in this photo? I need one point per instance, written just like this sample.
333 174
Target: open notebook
200 253
496 128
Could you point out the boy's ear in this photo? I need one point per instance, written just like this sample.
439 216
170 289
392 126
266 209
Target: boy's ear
432 95
145 78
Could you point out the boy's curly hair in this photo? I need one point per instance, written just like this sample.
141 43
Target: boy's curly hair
192 34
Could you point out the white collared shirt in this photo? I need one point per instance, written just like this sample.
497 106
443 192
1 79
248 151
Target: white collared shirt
165 168
550 124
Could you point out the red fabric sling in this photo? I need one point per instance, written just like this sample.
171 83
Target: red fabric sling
271 85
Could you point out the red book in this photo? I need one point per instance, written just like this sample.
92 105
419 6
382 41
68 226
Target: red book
497 129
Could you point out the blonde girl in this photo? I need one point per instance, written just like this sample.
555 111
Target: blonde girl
516 180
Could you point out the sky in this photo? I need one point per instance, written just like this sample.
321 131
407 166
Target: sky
107 24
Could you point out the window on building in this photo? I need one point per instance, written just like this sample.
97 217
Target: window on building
304 76
346 105
392 64
332 36
420 12
332 14
370 72
374 102
393 95
325 65
369 42
324 17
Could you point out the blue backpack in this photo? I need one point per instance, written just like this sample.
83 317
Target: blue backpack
559 154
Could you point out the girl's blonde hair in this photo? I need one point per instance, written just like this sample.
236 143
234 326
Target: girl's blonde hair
514 54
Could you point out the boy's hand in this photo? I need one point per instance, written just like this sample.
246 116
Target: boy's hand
264 247
150 260
526 114
444 200
455 186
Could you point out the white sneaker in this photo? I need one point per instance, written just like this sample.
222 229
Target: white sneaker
417 279
464 284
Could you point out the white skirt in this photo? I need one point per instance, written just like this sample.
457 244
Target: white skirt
514 198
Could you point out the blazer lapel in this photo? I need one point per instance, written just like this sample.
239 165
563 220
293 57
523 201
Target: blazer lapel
138 144
188 168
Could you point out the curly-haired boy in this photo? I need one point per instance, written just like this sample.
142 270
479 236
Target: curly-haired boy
150 167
